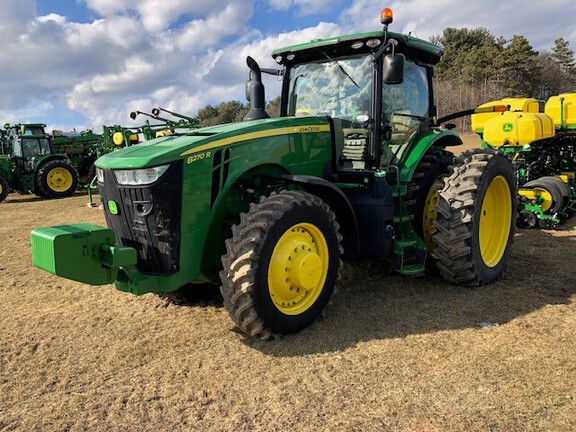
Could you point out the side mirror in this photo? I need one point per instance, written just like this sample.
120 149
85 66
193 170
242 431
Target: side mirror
133 115
155 112
393 72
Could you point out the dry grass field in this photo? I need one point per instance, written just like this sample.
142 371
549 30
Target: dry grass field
392 354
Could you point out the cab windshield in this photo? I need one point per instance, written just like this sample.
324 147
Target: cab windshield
336 87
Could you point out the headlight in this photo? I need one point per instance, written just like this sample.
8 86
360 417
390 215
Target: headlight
373 43
138 177
100 175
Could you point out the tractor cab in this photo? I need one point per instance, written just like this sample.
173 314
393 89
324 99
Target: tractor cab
375 88
28 142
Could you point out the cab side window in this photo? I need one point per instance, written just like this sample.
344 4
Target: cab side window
406 105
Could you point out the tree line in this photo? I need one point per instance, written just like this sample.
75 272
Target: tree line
476 67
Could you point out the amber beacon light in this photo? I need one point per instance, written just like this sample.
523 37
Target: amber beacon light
386 16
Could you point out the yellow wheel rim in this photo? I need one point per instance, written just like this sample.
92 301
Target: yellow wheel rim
298 268
495 220
1 189
546 197
59 179
430 214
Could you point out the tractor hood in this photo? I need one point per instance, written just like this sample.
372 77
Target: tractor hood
163 150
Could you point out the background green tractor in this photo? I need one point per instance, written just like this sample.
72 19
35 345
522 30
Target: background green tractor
30 163
268 208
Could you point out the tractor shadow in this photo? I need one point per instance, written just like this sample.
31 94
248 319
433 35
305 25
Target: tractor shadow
373 304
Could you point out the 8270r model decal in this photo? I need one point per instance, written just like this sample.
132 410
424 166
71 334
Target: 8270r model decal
198 157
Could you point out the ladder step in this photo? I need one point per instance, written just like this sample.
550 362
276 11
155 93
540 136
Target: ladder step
399 219
412 270
399 191
407 244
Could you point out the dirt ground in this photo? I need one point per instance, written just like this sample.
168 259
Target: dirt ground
393 353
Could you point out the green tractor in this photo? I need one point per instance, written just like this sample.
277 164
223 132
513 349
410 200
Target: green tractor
268 208
30 163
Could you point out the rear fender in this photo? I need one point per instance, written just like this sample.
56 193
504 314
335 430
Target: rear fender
41 160
434 138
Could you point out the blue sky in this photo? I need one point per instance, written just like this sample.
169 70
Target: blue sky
85 63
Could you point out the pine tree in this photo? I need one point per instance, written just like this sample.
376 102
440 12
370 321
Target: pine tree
564 56
520 69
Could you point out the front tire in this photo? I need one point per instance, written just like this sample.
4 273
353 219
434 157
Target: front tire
476 219
57 179
281 264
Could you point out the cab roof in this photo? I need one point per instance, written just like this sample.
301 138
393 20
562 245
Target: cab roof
412 47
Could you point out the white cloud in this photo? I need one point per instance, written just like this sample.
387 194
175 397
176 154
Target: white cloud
280 4
52 17
201 34
110 7
16 15
158 15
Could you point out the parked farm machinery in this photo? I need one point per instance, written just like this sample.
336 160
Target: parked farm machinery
268 207
85 147
82 148
540 139
30 163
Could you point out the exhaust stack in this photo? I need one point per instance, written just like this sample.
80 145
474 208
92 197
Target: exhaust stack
255 92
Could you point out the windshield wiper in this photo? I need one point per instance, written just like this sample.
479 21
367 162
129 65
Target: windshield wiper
341 68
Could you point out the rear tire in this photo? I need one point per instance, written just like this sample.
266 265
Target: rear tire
423 190
281 264
4 188
476 219
57 179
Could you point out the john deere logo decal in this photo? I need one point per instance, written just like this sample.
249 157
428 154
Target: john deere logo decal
113 207
507 127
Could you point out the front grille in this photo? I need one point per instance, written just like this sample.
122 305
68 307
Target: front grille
148 219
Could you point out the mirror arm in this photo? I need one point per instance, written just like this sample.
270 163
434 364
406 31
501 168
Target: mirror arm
274 72
391 43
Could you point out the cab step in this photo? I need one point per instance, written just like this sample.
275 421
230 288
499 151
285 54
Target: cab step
413 270
399 191
407 244
409 258
400 219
